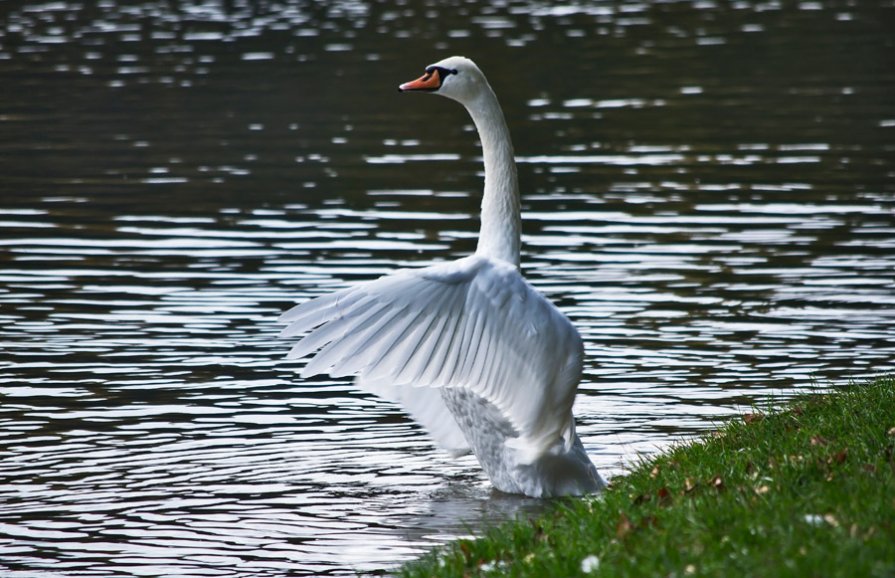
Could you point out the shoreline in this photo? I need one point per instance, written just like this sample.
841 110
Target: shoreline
807 489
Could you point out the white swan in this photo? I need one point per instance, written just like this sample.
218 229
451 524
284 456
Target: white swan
470 349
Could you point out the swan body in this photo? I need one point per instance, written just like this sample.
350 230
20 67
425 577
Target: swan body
469 348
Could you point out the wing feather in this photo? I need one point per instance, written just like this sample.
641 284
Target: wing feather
335 330
373 344
374 323
474 324
312 313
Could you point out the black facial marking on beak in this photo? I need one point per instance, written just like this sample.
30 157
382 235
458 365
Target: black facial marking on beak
442 72
431 81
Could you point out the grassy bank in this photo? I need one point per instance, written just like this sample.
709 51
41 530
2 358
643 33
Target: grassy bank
807 491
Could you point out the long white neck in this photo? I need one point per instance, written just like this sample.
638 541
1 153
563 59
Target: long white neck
500 236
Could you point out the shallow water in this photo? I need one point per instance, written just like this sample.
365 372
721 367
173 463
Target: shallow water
708 193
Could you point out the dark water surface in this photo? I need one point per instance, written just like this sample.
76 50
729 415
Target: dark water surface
708 190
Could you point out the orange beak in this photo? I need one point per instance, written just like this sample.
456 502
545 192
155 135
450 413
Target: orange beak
429 82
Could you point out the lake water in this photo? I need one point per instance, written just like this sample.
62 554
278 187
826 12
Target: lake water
708 191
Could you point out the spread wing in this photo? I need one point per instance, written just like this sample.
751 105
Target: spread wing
428 408
474 323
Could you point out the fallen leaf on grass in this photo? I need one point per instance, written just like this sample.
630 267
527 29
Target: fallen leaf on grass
762 489
753 417
838 457
464 547
624 527
689 486
540 535
818 441
818 520
649 522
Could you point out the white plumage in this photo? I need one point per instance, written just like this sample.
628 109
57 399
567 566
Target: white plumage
469 348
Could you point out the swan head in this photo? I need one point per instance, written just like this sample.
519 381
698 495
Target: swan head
456 77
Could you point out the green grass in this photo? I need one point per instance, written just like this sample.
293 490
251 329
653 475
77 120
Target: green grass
806 491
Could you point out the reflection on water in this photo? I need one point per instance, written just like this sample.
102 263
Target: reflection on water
708 192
